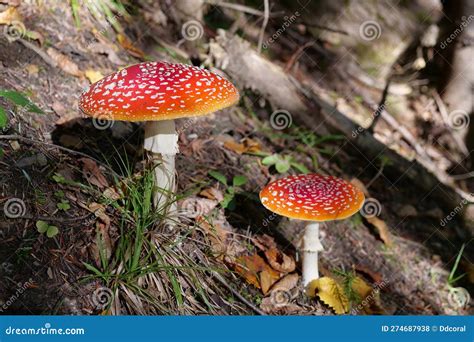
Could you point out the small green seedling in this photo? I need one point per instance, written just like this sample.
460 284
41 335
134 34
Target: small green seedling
63 205
283 163
19 100
43 227
229 197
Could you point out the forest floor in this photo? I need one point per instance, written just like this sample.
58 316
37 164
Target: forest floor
112 254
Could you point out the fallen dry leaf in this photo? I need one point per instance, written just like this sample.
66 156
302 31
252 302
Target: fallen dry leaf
106 49
358 183
111 193
382 229
217 236
212 194
245 146
128 45
376 276
369 297
276 258
93 75
256 271
194 207
280 261
15 3
9 16
286 283
99 212
330 293
64 62
264 242
93 174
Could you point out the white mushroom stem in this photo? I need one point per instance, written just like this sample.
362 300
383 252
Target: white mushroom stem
311 246
161 140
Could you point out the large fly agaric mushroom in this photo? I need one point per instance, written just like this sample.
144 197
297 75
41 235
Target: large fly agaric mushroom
314 198
158 93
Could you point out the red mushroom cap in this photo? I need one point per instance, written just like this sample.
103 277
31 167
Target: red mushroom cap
154 91
312 197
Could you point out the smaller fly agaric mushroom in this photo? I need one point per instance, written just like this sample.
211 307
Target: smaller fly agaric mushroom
158 93
315 198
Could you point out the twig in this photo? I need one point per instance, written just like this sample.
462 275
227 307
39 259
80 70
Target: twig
237 7
295 56
377 175
380 107
237 294
39 52
38 142
264 24
445 116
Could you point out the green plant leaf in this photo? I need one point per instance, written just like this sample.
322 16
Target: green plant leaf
20 100
52 231
271 160
42 226
239 180
300 167
282 166
3 118
64 205
59 193
227 199
219 176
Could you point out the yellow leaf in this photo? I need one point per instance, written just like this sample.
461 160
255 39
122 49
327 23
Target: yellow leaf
360 287
369 297
331 293
9 16
128 45
93 75
246 145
